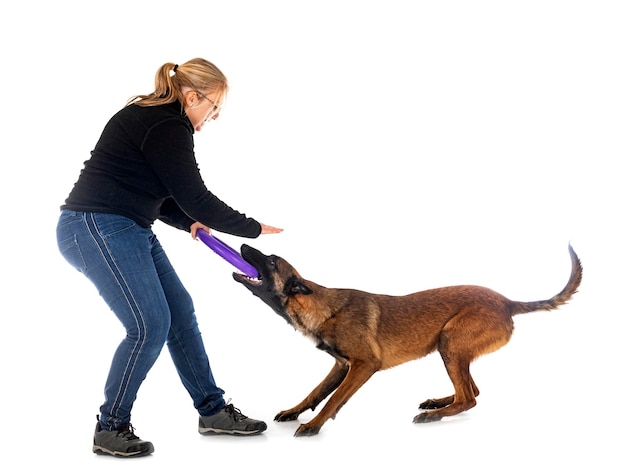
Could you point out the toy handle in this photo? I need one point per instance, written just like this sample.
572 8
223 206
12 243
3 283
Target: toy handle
227 253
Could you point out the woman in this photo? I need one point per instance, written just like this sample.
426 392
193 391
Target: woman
142 169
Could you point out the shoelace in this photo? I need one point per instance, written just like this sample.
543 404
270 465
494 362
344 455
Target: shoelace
127 432
233 411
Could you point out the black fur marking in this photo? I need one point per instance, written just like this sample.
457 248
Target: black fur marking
296 286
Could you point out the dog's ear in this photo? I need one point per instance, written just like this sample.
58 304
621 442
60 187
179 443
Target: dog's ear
296 286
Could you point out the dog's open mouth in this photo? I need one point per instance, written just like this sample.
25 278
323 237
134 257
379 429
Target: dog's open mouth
243 278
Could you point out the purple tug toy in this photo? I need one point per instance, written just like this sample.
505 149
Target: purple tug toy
227 253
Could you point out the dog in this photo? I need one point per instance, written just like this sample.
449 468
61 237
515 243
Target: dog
366 332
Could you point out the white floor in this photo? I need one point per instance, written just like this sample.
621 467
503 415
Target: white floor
401 149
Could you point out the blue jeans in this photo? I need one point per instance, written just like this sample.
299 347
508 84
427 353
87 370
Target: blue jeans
133 275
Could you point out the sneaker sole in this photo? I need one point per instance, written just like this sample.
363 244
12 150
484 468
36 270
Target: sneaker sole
211 431
104 451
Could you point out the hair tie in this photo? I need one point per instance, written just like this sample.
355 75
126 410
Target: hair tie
175 67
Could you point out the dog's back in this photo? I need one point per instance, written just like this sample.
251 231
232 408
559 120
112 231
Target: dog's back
412 326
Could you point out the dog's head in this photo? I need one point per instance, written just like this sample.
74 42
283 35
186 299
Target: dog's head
277 282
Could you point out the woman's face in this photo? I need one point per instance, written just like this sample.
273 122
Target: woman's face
201 108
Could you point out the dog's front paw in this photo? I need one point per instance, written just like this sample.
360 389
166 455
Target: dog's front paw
283 416
306 430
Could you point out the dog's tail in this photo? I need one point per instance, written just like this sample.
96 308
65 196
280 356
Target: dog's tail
559 299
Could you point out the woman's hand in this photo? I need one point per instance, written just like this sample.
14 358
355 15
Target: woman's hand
265 229
195 226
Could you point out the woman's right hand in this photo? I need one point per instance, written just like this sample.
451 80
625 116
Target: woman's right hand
194 228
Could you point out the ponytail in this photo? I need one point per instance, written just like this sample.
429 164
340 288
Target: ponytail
197 74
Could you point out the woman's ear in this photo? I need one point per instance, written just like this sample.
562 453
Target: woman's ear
190 98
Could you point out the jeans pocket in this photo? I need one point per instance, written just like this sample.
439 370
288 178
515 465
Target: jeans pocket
109 225
68 219
70 250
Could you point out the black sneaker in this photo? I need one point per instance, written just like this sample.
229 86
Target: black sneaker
230 421
120 443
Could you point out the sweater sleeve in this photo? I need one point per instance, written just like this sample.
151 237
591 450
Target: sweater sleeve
169 149
171 214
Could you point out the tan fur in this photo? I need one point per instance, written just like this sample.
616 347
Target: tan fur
368 332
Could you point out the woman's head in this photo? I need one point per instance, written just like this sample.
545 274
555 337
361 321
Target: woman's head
198 85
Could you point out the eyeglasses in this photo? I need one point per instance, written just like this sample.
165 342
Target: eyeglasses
216 108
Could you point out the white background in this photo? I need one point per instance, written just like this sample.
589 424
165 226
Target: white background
402 146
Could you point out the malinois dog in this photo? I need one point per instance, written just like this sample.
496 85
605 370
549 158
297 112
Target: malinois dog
366 333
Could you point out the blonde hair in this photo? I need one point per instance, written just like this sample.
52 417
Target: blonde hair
171 79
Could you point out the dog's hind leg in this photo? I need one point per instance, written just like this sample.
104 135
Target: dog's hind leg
328 385
462 400
462 340
445 401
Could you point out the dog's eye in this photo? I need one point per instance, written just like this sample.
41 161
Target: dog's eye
273 262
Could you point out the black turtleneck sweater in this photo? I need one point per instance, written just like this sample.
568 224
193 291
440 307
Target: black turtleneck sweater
143 167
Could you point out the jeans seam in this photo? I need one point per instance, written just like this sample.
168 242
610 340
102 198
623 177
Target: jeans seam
135 310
